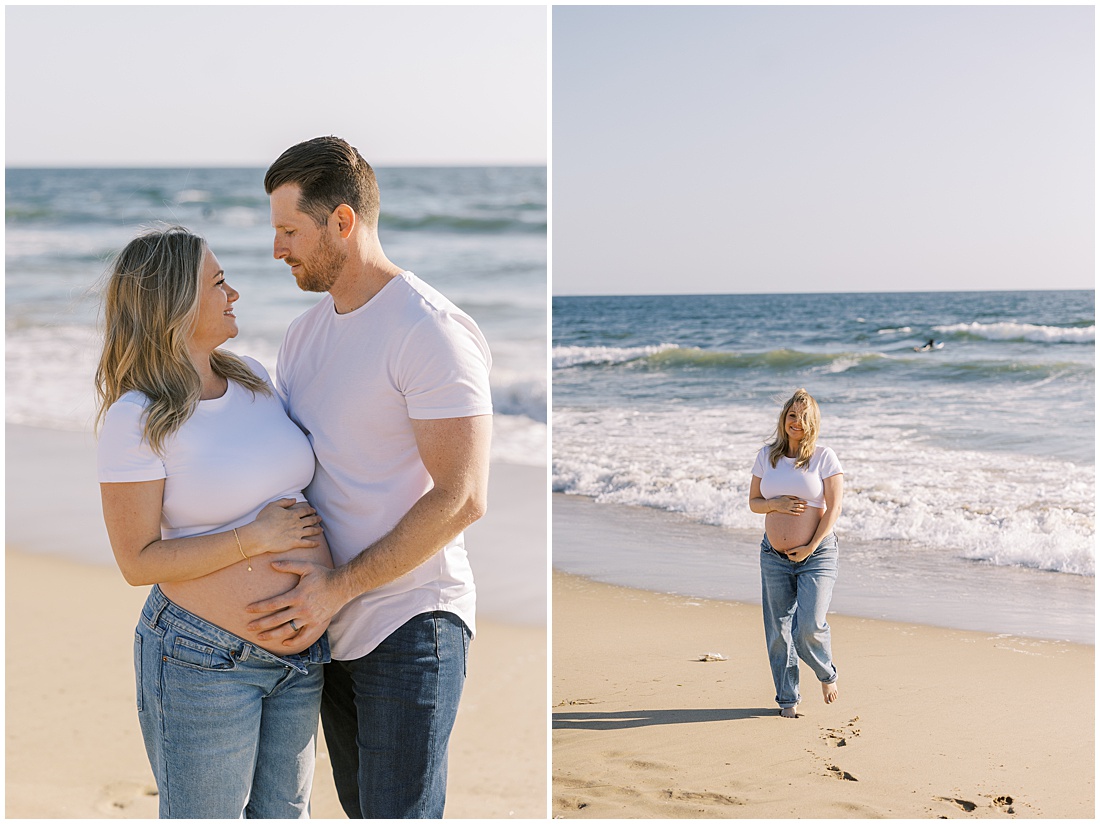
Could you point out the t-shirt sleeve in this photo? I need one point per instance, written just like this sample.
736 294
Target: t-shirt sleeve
282 375
123 456
759 467
443 369
830 464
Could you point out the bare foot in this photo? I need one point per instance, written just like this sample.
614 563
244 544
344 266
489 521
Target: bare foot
789 712
829 692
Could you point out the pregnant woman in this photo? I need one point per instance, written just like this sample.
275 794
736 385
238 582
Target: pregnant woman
799 486
201 475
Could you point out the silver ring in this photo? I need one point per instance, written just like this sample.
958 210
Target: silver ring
294 626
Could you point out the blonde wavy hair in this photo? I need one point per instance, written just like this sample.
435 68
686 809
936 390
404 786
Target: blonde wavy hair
810 418
150 307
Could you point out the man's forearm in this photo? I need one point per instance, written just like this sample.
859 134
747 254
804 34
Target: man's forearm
432 522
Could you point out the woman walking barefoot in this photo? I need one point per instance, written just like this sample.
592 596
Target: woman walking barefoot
799 487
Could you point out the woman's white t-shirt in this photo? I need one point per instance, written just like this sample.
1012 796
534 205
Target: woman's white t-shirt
231 458
784 478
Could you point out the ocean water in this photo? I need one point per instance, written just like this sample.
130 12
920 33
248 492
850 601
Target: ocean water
975 457
477 234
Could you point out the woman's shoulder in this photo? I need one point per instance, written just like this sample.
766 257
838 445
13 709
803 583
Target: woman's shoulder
253 366
762 463
129 403
825 458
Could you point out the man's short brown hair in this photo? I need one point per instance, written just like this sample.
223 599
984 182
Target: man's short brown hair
329 172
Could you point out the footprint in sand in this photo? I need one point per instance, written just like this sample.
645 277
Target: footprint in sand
839 773
961 803
1004 802
577 702
839 737
121 795
705 797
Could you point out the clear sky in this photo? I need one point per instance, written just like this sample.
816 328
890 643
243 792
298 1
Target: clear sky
218 85
822 149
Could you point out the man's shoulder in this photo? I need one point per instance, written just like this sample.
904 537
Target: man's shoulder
424 299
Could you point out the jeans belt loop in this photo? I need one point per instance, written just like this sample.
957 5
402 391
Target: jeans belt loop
161 606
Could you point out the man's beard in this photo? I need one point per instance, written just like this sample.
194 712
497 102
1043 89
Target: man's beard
319 274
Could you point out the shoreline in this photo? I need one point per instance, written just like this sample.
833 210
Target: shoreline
665 552
931 722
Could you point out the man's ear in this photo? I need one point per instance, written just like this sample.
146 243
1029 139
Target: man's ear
345 220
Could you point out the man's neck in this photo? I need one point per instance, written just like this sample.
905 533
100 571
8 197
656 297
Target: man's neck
356 288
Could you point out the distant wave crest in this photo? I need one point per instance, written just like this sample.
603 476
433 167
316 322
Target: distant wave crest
1021 332
671 356
565 357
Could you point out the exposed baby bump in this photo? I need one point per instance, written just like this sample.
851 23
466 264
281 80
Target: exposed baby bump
221 597
790 531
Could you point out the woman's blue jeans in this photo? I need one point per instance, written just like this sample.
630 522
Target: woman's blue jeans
230 729
388 718
796 598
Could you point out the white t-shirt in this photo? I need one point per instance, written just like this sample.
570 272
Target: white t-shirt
231 458
353 382
807 483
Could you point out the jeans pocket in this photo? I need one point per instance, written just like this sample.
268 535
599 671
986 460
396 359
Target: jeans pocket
137 668
195 654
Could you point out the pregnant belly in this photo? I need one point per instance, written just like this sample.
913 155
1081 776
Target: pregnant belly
222 596
790 531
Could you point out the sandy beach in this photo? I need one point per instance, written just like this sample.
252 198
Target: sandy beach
931 722
73 745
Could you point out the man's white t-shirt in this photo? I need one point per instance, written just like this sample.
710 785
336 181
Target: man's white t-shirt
353 382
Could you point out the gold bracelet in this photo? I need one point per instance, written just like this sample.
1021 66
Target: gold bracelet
241 550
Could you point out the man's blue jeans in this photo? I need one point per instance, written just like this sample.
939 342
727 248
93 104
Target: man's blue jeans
388 718
230 729
796 598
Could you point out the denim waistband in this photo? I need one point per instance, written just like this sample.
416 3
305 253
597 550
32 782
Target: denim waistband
158 611
827 542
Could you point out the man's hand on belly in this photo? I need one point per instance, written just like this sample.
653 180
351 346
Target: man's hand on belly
315 600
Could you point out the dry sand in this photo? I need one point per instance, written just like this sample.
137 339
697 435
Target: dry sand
74 748
930 722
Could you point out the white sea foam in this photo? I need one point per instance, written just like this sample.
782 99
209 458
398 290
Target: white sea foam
518 393
50 373
567 356
1033 512
1022 331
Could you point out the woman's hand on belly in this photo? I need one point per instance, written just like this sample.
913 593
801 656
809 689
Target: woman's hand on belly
788 505
282 526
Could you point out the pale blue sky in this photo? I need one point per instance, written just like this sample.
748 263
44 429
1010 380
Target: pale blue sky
822 149
235 85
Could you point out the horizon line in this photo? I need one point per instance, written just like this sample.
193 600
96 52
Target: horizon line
838 292
425 164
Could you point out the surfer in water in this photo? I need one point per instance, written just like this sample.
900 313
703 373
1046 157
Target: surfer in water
928 347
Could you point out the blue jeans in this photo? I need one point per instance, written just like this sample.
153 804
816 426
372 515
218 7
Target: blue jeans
796 597
388 718
230 729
